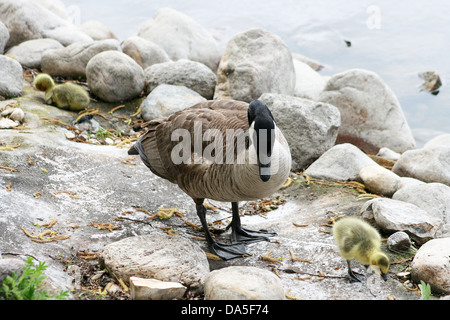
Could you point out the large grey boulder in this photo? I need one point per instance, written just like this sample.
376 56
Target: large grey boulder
442 140
310 128
144 52
55 6
255 62
308 82
28 20
191 74
71 61
97 30
394 215
11 77
429 164
434 198
181 37
431 265
167 99
341 162
157 256
371 115
29 53
4 37
113 76
243 283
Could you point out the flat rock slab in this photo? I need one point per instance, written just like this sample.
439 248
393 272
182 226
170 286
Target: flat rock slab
152 289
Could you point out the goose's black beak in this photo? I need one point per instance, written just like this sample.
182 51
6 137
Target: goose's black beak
264 171
384 276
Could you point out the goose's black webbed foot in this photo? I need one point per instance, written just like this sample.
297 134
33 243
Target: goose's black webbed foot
242 235
228 251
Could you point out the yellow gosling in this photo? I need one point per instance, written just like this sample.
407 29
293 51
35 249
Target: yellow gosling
65 96
357 240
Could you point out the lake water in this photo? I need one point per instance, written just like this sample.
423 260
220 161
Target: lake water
396 39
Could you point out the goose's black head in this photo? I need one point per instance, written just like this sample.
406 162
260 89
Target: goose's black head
264 125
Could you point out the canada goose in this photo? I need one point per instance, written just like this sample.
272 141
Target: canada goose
65 96
358 240
253 164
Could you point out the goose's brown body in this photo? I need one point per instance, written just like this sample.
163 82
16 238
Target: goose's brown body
232 174
222 181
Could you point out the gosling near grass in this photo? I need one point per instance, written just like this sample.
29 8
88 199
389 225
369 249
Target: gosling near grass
65 96
357 240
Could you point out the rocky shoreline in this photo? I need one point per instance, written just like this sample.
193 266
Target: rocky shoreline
72 197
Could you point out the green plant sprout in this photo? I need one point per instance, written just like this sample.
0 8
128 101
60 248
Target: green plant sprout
425 290
26 287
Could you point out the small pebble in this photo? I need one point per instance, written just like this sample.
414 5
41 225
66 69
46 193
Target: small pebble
399 241
70 135
17 115
6 123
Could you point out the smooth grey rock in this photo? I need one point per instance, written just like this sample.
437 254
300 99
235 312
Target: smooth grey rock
309 127
28 20
399 241
181 37
71 61
341 162
388 154
97 30
158 256
434 198
11 77
113 76
55 6
17 115
167 99
6 123
308 83
315 65
144 52
407 181
255 62
431 264
191 74
29 53
243 283
10 265
380 180
394 215
430 164
440 140
371 115
4 37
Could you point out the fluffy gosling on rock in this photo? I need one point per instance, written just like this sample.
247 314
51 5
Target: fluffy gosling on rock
65 96
357 240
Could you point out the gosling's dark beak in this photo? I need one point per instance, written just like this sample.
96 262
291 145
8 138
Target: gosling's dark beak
384 276
264 171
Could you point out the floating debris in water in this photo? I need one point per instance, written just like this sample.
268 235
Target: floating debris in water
432 82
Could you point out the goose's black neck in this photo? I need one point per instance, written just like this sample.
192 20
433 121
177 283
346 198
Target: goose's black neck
260 116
